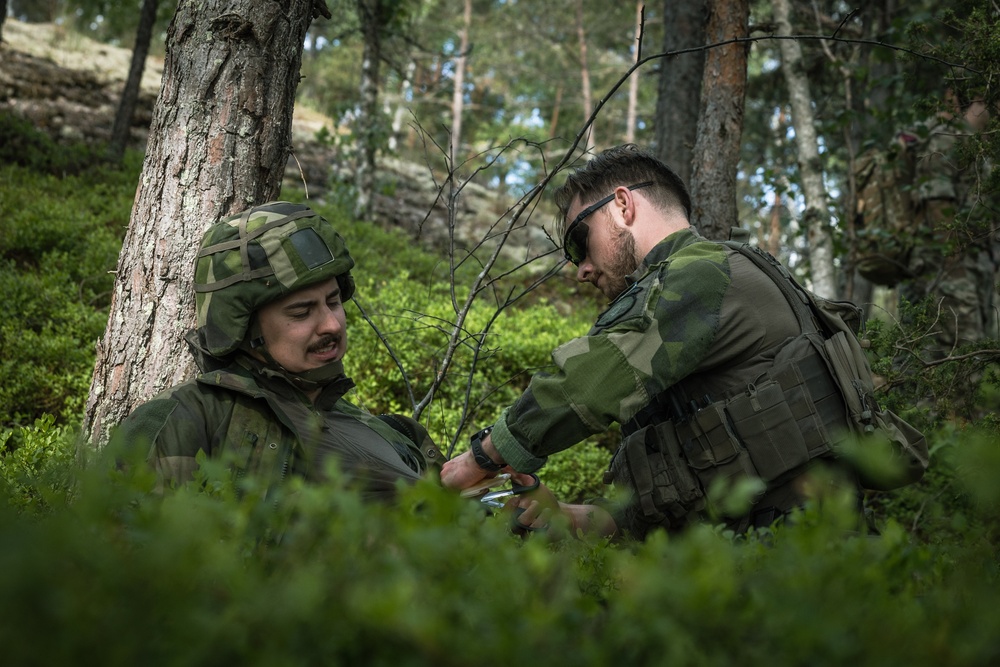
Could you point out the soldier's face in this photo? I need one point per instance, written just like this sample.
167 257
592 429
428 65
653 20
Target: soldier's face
611 251
306 329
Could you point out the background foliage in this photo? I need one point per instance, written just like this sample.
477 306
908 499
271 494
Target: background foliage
205 577
202 577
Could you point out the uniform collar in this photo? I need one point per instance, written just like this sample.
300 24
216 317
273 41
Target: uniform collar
663 250
251 376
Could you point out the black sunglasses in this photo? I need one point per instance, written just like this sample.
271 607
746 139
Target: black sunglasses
575 238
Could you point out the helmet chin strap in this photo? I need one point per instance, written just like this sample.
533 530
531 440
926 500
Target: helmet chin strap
310 380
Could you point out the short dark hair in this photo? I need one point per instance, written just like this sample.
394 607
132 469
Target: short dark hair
625 165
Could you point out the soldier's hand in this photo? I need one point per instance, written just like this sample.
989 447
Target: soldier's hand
537 507
461 472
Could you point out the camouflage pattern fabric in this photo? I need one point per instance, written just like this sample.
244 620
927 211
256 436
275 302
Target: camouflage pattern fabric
695 309
954 259
272 429
259 256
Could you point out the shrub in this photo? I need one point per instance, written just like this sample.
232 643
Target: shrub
58 253
39 472
23 145
316 575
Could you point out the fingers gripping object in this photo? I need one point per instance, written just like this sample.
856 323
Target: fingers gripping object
497 499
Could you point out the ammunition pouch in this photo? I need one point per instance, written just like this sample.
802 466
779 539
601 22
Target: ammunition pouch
770 430
650 464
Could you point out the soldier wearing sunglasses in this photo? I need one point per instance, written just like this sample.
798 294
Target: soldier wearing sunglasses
691 325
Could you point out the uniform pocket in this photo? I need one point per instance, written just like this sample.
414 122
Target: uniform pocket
764 422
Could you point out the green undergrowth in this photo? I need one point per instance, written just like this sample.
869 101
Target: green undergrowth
92 563
206 575
61 232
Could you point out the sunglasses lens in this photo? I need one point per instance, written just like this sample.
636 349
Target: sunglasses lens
575 243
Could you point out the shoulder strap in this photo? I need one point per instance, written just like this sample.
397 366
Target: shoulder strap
796 296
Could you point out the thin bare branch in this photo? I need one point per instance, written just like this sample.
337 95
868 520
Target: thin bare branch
388 347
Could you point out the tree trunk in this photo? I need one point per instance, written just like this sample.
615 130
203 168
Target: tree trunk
130 95
633 83
774 238
399 113
859 289
458 95
3 16
219 142
816 216
556 107
717 149
588 102
370 14
678 95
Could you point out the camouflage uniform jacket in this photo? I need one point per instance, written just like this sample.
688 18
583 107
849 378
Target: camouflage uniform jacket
696 312
955 257
271 428
937 173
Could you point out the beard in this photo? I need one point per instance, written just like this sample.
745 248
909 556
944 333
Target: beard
623 263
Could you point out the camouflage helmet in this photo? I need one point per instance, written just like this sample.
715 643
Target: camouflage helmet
252 258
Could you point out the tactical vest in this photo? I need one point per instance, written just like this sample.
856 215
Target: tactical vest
815 398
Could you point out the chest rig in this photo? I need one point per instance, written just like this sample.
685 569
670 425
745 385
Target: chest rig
814 400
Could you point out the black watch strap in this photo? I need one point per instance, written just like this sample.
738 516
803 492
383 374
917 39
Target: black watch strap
482 460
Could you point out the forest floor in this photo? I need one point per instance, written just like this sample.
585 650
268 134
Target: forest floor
68 86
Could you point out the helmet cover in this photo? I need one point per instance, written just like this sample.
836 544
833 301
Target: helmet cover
258 256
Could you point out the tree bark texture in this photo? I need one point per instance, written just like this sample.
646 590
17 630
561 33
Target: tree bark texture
458 93
633 84
372 18
678 99
588 100
816 218
717 149
130 94
219 142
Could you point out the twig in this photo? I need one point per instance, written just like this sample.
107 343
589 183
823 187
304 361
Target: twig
388 347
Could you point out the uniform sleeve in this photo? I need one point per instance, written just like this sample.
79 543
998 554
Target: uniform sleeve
651 336
171 433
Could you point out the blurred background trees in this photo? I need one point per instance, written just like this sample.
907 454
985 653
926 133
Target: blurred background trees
501 91
395 75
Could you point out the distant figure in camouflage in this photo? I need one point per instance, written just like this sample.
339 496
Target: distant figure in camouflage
271 284
692 323
954 258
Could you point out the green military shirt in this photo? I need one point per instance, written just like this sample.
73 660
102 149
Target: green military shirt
271 428
696 312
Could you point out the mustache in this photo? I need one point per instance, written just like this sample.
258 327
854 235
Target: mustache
326 341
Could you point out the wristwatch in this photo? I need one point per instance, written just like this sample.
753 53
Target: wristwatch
482 460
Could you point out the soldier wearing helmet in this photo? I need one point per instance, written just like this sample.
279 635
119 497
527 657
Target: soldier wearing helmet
271 284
